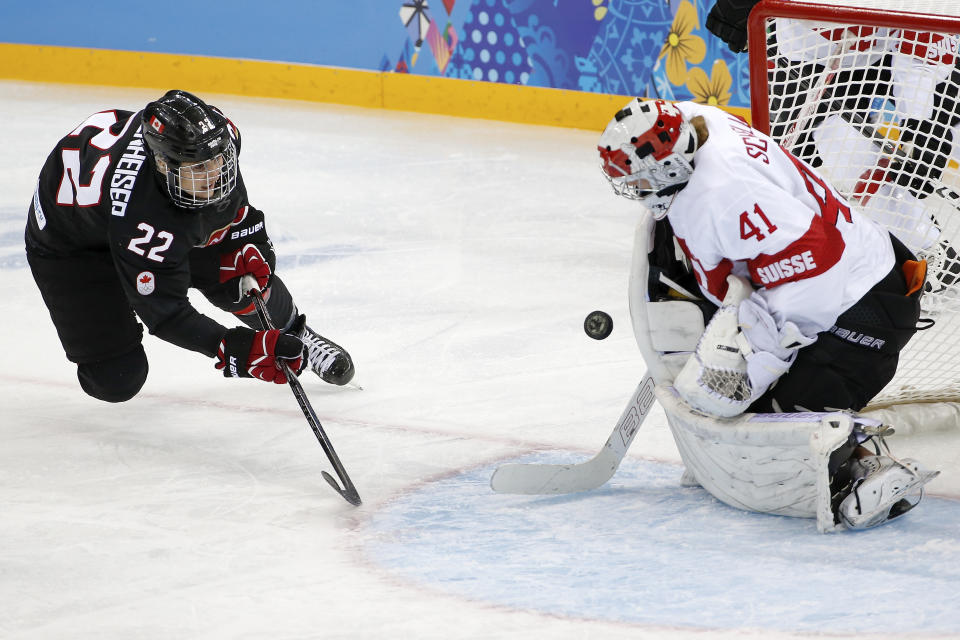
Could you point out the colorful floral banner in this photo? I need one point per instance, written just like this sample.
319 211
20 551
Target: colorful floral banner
630 47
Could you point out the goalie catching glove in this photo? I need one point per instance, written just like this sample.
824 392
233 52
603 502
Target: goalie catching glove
245 353
740 354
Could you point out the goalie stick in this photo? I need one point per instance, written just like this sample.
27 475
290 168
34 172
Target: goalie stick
348 492
544 479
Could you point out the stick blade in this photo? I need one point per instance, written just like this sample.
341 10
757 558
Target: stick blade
349 494
550 479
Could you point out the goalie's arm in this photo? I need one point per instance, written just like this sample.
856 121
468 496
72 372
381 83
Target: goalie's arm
740 354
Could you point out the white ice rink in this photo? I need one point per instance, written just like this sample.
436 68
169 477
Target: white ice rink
456 260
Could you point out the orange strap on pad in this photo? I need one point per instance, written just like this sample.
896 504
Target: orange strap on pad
916 274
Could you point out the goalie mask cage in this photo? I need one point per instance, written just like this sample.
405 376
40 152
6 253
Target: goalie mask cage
833 83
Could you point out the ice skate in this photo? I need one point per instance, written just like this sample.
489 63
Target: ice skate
327 359
883 489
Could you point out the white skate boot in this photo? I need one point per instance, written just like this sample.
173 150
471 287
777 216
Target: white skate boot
883 489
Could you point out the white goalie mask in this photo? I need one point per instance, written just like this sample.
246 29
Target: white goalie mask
646 153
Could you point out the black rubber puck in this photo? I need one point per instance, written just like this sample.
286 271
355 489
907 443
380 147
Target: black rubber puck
598 325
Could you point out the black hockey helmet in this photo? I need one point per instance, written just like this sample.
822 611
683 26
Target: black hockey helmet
193 146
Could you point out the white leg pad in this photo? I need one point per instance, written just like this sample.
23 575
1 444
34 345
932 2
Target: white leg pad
769 463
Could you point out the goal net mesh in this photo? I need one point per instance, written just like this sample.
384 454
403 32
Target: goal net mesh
869 95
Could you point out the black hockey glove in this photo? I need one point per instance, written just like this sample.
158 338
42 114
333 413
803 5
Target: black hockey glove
929 144
245 353
728 21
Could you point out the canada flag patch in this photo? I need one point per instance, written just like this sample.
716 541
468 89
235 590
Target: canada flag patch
155 124
146 283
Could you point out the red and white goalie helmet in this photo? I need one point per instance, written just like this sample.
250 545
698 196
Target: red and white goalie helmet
646 152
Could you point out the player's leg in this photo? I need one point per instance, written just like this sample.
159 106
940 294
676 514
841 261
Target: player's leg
829 374
96 326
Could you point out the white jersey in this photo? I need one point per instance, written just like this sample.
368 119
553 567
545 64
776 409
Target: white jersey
752 209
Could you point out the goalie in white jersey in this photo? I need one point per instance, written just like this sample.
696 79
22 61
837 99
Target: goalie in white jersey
809 305
823 299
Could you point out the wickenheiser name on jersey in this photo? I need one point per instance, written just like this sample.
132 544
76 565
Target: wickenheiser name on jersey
125 175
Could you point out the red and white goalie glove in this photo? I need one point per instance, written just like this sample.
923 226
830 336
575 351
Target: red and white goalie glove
246 260
245 353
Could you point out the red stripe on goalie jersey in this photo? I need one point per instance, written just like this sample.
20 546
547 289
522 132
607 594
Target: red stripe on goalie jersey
713 281
816 251
864 43
931 47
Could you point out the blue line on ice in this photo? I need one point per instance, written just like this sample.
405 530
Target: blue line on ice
644 550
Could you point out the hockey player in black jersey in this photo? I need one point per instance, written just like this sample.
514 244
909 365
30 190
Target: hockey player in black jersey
133 209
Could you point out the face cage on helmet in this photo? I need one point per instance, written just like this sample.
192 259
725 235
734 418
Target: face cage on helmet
197 184
656 174
627 187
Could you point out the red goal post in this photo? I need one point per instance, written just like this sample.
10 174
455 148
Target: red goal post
833 83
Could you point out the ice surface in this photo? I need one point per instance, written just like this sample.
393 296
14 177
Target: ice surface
456 260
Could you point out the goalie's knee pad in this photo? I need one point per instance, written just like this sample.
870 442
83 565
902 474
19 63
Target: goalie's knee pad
115 379
883 488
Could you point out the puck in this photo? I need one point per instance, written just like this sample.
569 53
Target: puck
598 325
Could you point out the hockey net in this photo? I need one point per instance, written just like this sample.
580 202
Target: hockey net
868 94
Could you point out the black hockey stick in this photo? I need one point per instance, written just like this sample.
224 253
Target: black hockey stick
348 492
